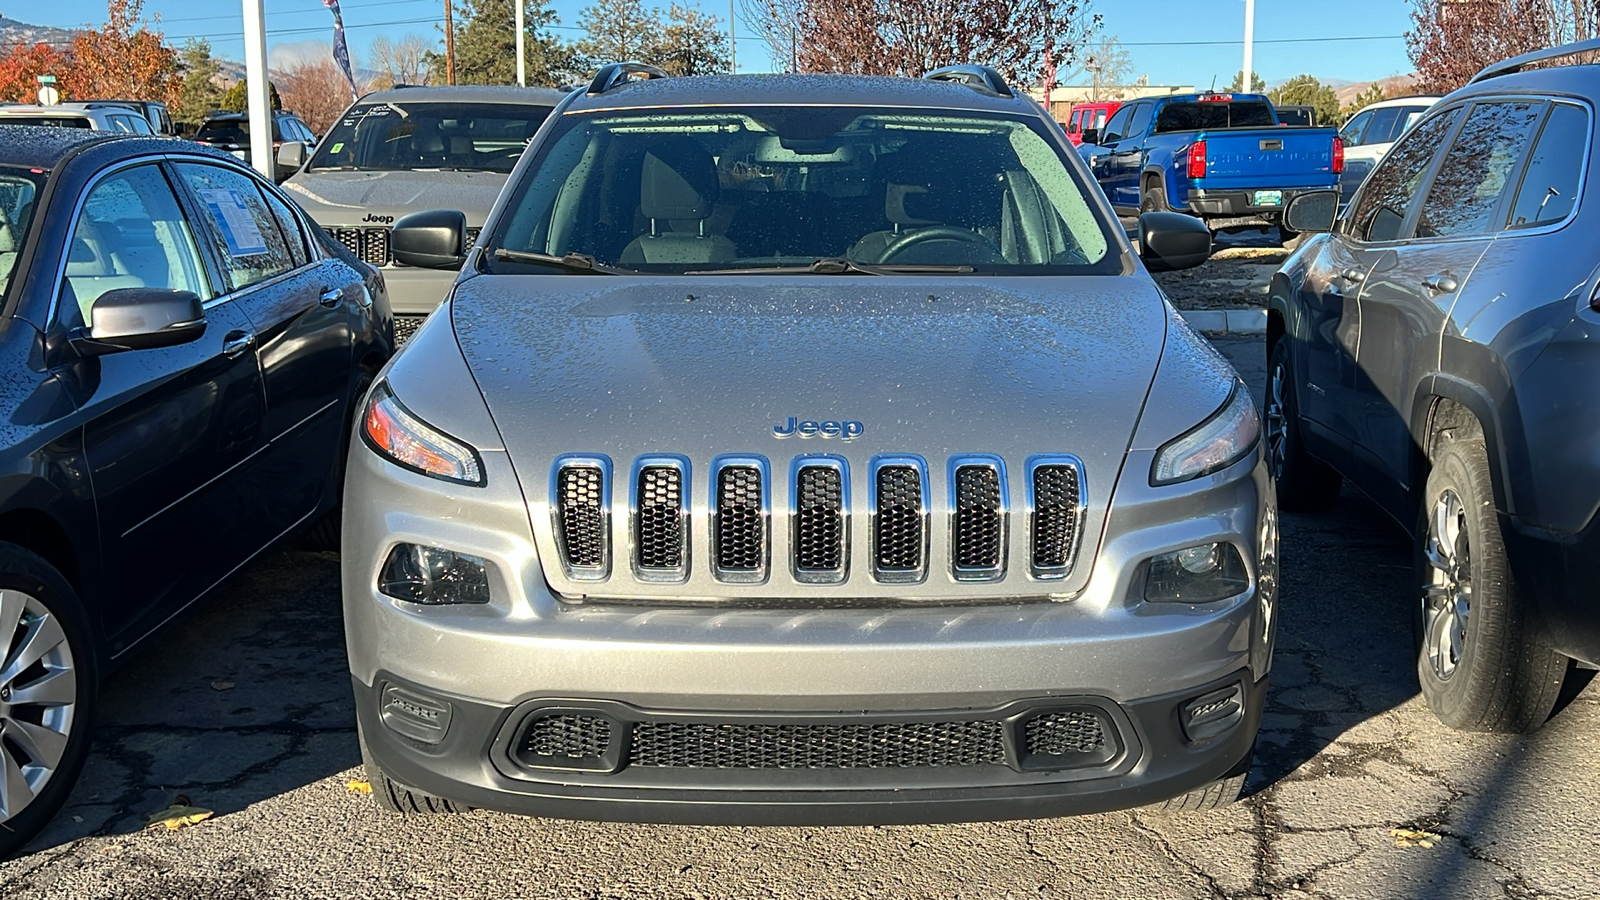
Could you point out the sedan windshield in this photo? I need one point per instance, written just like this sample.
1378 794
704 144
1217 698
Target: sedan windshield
805 190
485 137
18 188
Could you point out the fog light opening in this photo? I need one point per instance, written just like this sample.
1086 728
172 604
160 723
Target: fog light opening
434 576
1212 714
1204 573
413 715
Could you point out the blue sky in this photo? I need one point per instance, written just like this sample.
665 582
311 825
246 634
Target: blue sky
1168 38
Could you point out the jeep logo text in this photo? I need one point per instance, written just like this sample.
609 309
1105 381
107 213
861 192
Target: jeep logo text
385 220
808 429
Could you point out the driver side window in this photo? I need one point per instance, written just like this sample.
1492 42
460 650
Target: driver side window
1117 127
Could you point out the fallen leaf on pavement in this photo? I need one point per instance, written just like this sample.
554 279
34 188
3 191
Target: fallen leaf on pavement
178 815
222 685
1405 837
358 787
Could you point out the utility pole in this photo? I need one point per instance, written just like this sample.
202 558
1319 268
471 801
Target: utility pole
522 67
449 45
1249 45
733 42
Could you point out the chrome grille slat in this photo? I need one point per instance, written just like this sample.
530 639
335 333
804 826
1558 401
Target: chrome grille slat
899 520
370 245
581 493
1054 487
660 527
978 514
821 521
739 520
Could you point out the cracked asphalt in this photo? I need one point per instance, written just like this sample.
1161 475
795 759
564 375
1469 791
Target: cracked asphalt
245 709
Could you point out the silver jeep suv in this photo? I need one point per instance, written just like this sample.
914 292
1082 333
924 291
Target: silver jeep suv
806 448
414 148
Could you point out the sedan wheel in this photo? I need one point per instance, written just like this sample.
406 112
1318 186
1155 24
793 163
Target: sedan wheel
38 700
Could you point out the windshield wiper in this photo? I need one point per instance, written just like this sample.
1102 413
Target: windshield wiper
838 265
582 263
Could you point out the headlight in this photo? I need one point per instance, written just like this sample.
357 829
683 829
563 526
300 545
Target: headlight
1214 444
393 432
1199 574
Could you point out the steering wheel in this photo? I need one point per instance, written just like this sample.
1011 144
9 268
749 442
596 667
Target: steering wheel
935 233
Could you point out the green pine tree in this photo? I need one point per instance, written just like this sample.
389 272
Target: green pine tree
199 93
1304 90
236 99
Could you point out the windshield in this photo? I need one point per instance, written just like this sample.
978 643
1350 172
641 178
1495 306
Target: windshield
689 191
1210 115
47 121
18 188
486 137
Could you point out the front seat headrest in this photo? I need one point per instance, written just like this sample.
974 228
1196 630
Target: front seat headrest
678 180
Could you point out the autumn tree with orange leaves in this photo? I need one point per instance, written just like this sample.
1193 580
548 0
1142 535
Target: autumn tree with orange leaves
126 58
22 65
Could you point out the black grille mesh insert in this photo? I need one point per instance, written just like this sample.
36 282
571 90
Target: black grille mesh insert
660 537
876 745
979 529
567 736
740 525
405 326
819 520
899 521
1064 734
579 508
370 245
1055 515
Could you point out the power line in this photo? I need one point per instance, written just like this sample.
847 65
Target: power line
1315 40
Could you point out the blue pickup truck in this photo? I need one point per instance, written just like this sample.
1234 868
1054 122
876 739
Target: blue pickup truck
1221 157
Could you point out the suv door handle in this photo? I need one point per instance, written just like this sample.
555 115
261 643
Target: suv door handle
1353 275
331 297
1442 283
237 343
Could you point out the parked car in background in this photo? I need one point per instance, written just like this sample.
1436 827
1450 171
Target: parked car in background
399 151
1221 157
93 115
155 112
230 133
1438 350
1297 116
1087 116
1370 133
186 353
760 468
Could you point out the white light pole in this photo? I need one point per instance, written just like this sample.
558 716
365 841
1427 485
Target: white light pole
522 66
1249 44
258 89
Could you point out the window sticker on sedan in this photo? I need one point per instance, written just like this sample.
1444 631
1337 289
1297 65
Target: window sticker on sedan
234 218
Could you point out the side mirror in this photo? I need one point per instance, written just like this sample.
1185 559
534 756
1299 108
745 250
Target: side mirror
1091 135
140 319
1312 212
431 239
1170 241
292 155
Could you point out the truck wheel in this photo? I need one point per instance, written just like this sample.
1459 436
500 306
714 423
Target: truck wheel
48 689
1154 199
392 796
1304 484
1482 664
1222 792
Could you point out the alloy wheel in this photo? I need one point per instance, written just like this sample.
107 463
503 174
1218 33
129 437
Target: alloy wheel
1447 596
38 699
1277 422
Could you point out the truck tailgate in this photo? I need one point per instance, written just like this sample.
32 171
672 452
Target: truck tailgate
1268 158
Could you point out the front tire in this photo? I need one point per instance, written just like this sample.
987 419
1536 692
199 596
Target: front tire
394 797
1304 484
1225 791
1154 199
1481 663
48 690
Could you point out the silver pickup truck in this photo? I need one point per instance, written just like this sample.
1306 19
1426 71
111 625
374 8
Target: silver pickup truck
398 151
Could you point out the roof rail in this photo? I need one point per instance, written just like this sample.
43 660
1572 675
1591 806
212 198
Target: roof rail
1518 63
981 77
614 75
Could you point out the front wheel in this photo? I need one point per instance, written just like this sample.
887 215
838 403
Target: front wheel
1304 484
47 694
1223 792
1481 663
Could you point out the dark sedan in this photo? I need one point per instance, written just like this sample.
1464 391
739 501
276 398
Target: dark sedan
183 351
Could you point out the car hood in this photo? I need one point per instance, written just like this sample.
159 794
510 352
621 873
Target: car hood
702 367
349 198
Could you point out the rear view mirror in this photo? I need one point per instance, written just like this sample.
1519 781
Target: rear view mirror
1091 135
431 239
1312 212
141 319
1169 241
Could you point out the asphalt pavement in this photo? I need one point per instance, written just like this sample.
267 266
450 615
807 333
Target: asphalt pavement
1357 791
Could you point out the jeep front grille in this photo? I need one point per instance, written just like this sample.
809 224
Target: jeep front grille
406 325
370 245
979 536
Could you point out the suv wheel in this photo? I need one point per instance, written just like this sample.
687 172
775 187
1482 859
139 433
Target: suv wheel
1304 484
396 797
1481 665
47 694
1222 792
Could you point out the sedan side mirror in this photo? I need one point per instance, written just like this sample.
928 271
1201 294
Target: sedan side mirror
140 319
1170 241
1312 212
291 156
431 239
1091 136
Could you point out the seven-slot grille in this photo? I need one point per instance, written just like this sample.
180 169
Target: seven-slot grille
819 532
371 245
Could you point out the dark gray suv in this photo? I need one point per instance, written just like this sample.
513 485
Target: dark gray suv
1436 350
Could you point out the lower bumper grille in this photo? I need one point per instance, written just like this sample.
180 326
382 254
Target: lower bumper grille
405 326
575 738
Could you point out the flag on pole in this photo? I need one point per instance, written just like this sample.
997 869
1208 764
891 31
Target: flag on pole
341 50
